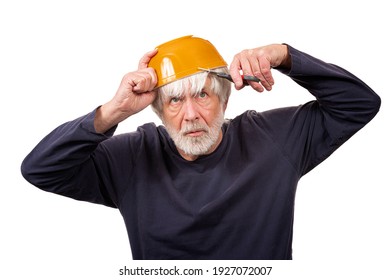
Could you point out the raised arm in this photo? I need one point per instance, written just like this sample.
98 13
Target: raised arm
308 133
72 160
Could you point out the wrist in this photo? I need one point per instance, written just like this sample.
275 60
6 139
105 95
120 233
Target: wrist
105 118
286 57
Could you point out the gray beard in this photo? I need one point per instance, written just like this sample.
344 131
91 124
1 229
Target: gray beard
196 146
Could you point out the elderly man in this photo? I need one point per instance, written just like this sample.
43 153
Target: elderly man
202 187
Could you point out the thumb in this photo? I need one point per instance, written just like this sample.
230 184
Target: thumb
144 61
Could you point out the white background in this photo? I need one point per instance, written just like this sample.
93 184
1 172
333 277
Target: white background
61 59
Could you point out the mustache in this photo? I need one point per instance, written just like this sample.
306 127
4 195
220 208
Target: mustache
191 127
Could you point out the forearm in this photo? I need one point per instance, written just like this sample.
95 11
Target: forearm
107 117
340 94
61 162
343 104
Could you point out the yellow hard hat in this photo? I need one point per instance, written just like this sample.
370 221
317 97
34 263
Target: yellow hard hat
183 57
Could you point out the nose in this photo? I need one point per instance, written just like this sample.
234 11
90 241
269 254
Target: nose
190 110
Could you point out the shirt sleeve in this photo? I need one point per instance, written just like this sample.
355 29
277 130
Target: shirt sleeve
63 163
343 104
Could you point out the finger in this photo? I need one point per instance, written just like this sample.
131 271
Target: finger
145 80
141 84
144 61
268 78
254 70
262 70
153 76
251 67
235 72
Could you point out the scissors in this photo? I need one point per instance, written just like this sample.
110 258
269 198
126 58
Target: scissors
245 78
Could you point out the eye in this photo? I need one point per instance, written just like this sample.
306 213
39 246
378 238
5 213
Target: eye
203 94
174 100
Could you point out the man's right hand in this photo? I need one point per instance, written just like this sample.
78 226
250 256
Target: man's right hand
134 94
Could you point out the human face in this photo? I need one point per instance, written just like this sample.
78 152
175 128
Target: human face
194 121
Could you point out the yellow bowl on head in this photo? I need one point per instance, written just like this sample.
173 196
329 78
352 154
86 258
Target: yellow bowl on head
182 57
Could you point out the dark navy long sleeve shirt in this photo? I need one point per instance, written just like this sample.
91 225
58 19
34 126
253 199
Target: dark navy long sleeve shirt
236 203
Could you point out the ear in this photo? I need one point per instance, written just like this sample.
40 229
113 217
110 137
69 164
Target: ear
224 106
